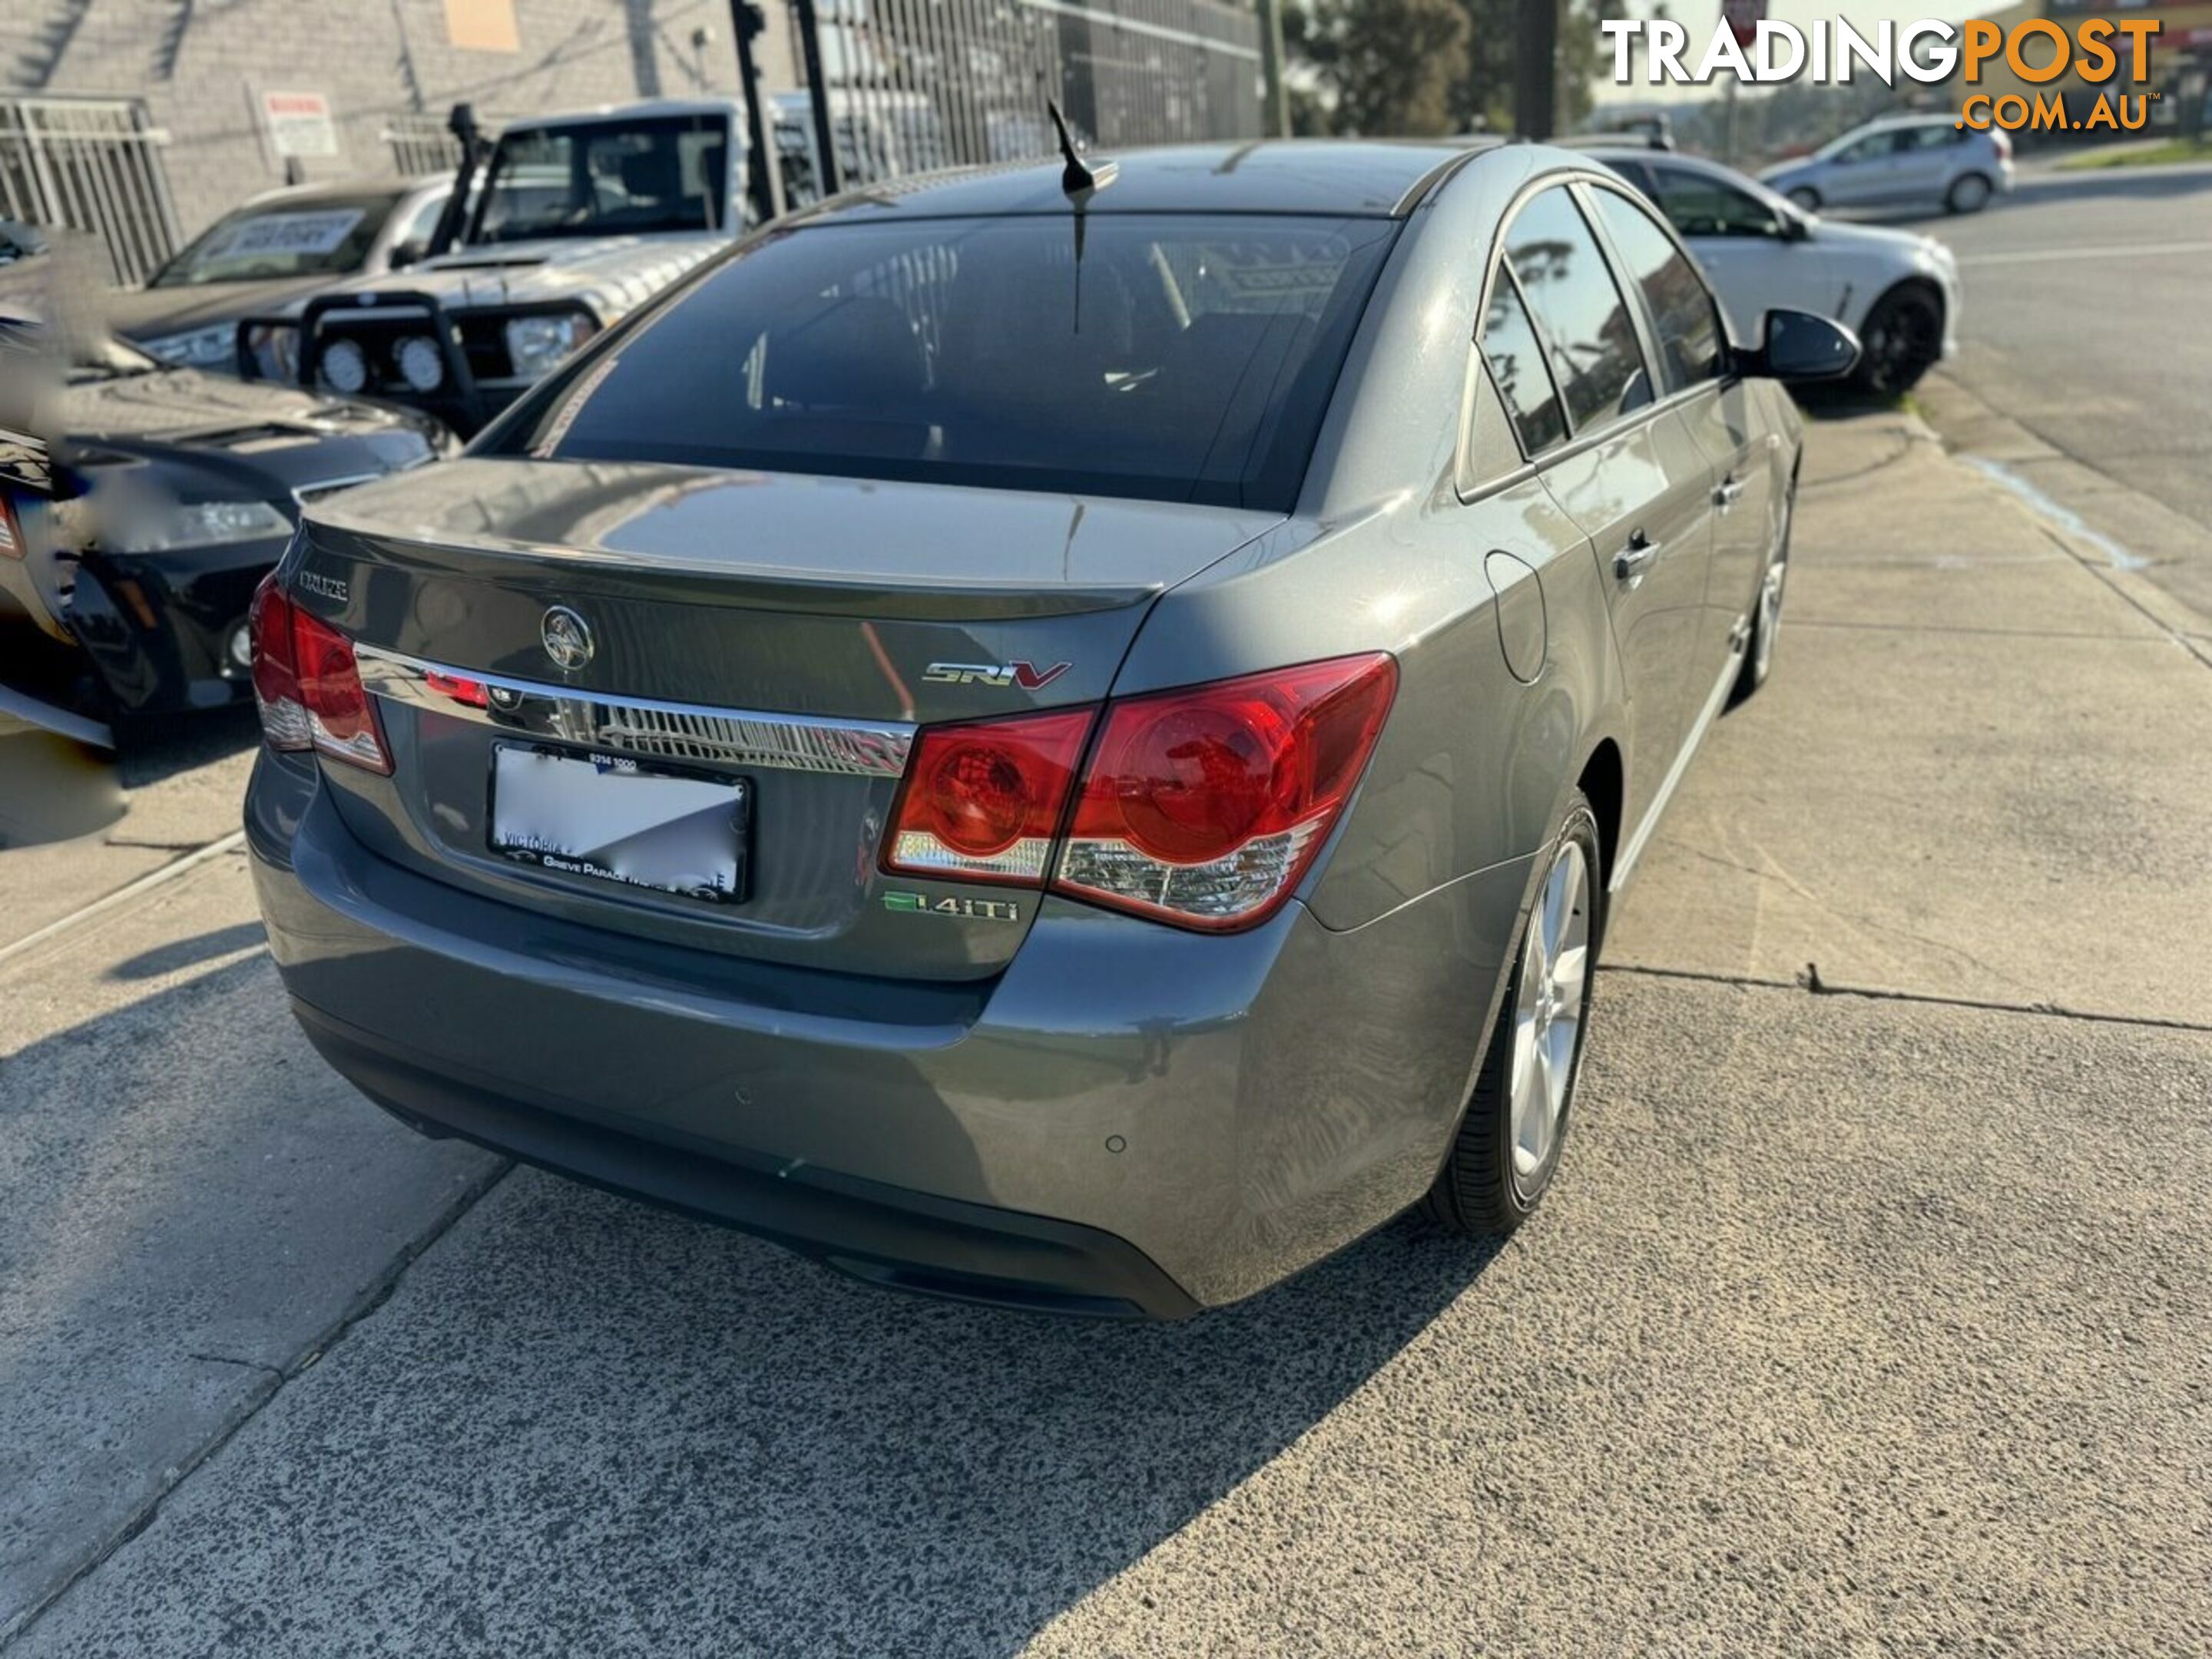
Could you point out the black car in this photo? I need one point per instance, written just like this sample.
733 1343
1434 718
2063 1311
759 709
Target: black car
174 492
273 249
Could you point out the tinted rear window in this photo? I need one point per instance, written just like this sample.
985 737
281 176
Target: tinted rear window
1183 358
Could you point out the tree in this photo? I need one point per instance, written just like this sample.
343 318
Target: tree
1381 68
1484 96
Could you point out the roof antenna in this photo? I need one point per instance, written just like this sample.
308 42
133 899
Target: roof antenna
1080 184
1077 181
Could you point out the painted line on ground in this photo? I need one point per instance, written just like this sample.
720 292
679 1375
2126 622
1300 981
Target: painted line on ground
2065 517
2039 256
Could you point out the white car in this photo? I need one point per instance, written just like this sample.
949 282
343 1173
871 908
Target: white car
1901 160
1897 290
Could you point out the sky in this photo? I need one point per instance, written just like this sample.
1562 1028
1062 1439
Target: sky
1700 16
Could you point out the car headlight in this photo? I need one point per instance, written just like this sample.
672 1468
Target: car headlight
275 349
535 344
207 523
420 364
343 369
214 346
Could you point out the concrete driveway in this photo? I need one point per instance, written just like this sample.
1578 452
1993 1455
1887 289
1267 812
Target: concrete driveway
1872 1316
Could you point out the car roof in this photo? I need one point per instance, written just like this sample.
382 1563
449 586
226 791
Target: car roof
1357 178
644 109
343 189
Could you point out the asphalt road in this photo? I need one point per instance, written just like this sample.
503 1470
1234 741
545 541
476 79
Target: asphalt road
1870 1318
2086 321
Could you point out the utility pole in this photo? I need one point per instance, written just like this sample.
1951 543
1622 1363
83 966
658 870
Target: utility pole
763 177
1275 112
1536 69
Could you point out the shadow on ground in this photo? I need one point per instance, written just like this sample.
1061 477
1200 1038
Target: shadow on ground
579 1414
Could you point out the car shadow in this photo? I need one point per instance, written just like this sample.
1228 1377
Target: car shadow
572 1388
183 953
1841 401
161 747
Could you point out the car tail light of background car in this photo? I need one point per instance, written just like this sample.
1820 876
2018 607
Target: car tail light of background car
1201 806
307 686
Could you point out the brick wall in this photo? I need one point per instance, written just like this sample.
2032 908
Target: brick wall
200 65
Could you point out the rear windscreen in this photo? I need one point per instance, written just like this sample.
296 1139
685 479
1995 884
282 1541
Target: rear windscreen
1174 357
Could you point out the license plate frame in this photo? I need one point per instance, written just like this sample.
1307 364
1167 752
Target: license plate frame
554 783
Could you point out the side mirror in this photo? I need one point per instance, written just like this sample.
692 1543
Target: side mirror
405 254
1801 347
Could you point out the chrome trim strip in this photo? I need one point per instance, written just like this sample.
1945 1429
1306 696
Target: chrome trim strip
649 729
307 494
1739 644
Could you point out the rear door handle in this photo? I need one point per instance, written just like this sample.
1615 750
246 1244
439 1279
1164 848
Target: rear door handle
1730 488
1633 560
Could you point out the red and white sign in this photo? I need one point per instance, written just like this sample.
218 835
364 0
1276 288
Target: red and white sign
1743 18
299 123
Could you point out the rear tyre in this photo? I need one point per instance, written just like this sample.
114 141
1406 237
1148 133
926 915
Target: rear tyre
1806 197
1507 1149
1767 611
1969 194
1901 341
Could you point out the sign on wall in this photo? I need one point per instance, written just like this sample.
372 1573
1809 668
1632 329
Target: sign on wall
482 25
299 123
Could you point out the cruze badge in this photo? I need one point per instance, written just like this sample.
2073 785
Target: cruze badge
1027 675
567 638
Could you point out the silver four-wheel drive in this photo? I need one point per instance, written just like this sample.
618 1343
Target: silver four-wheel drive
573 221
1058 738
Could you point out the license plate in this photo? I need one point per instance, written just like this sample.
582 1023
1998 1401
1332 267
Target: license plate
608 818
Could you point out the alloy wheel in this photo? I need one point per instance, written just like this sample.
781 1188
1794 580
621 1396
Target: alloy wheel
1553 996
1903 338
1770 598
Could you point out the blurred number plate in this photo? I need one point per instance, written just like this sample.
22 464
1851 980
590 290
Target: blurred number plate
610 818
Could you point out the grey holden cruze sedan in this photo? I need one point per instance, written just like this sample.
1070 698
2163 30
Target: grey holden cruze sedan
1049 736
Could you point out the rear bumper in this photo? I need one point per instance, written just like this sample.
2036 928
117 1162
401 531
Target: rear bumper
158 626
888 1235
1128 1120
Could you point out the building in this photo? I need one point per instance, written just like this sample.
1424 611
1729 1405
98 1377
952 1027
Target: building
144 119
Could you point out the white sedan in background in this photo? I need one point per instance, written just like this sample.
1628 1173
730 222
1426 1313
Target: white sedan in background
1896 289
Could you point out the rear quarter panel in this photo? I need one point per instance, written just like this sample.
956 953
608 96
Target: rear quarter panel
1391 551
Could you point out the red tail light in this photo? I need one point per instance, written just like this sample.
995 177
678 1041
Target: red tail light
307 686
11 531
982 801
1204 806
2003 142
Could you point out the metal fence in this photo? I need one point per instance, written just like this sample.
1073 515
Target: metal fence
93 163
914 84
421 143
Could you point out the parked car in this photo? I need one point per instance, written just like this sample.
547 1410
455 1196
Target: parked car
278 246
1901 161
1056 737
1897 290
578 220
173 494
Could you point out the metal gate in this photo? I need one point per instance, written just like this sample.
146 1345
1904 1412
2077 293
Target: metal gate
421 143
93 163
914 84
425 144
